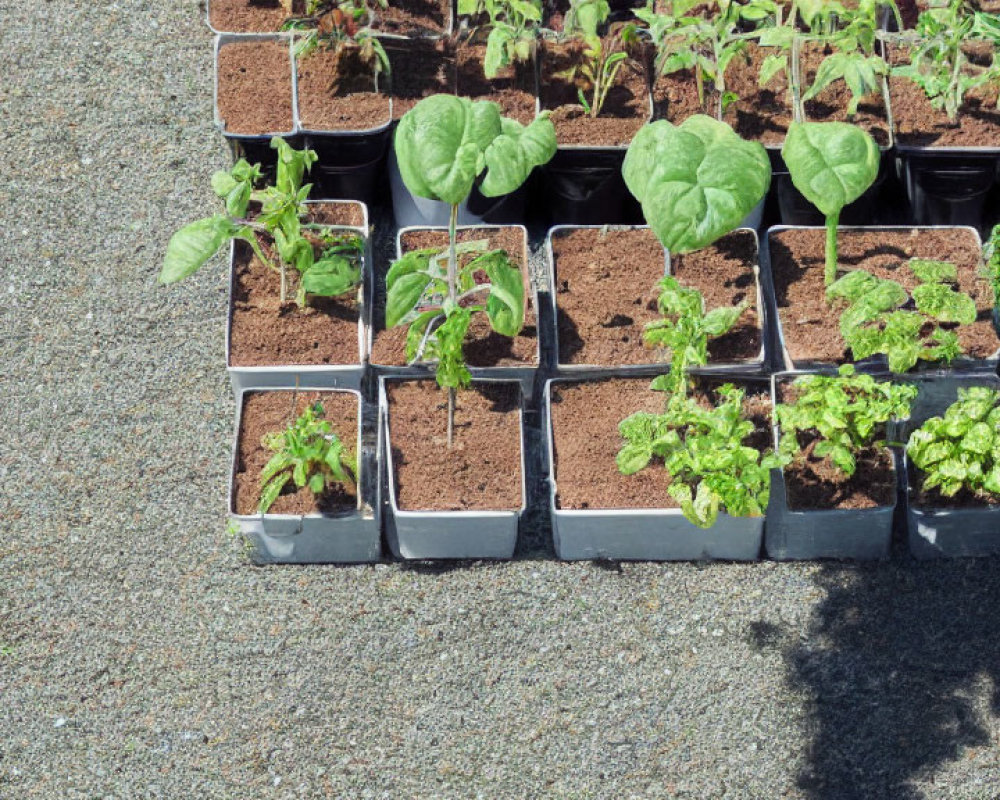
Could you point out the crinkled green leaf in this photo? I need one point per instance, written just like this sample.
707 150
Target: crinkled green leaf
928 271
193 245
331 277
944 303
512 155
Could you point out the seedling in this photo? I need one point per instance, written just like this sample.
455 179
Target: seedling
600 66
337 25
991 255
308 453
846 413
443 144
874 321
513 27
961 450
335 272
832 164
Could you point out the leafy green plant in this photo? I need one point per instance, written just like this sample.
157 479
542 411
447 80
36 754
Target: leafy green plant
338 25
845 413
308 453
991 257
961 449
600 65
513 26
832 164
873 321
335 272
696 181
443 144
704 451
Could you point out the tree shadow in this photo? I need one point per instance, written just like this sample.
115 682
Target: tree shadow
895 664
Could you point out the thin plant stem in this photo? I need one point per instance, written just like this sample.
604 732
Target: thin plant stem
830 271
453 297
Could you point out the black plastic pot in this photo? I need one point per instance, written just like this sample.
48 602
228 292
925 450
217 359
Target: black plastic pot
351 167
584 186
869 209
949 188
258 150
508 209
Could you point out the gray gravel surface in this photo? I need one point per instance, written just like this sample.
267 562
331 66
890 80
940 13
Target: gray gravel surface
141 656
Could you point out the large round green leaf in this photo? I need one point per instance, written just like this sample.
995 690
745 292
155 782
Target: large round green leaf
696 181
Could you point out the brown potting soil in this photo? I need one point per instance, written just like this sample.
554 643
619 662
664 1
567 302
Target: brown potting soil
606 293
270 412
347 213
255 87
266 332
831 104
810 325
624 112
585 418
337 92
250 16
420 68
413 17
513 89
483 346
815 483
760 114
675 97
918 123
482 468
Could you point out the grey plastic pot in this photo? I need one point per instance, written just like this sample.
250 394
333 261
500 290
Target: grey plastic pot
524 374
444 534
755 366
793 535
263 139
948 532
783 359
630 534
322 376
353 537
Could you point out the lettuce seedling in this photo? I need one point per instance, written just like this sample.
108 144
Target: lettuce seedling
832 164
874 322
961 450
991 257
513 27
845 413
307 453
443 145
336 271
696 181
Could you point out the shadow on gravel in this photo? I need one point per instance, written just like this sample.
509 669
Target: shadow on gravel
901 668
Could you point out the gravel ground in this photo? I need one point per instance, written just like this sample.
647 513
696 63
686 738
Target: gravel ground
141 656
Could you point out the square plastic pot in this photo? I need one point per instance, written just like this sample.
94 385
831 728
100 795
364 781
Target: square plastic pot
320 376
352 537
755 366
794 535
949 186
876 364
523 374
629 534
416 535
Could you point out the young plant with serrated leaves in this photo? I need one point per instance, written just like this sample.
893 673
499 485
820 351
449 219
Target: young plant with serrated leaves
961 449
704 451
307 453
846 415
875 321
938 61
832 164
991 259
445 145
601 65
513 28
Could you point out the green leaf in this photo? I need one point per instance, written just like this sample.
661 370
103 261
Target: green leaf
830 163
928 271
505 305
854 286
404 295
696 181
944 303
633 457
223 183
269 491
292 166
496 51
773 65
512 155
193 245
330 277
721 320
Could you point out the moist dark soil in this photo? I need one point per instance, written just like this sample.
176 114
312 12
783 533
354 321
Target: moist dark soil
932 498
585 419
265 331
624 112
270 412
337 92
482 468
919 124
250 16
413 17
420 68
810 325
815 483
831 104
513 89
483 346
255 87
343 212
606 293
